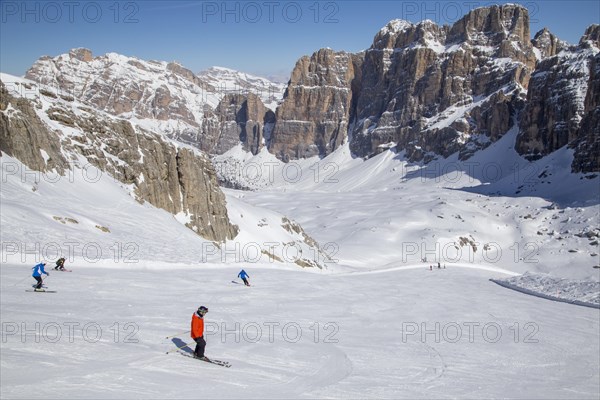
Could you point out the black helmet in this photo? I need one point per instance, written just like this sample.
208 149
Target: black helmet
202 310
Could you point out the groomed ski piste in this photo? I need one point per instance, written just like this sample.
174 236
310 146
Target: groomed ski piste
375 322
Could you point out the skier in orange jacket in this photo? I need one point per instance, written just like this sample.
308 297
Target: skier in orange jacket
197 332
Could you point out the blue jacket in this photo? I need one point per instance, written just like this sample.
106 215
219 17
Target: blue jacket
243 275
38 270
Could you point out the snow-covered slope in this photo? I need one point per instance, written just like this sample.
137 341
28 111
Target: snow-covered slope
93 220
494 209
585 293
403 333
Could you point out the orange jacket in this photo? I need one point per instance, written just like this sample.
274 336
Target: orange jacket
197 326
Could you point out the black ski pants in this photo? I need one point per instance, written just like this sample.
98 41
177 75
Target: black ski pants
200 346
39 282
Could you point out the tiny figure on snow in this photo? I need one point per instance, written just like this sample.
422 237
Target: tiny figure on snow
38 270
244 276
60 264
431 268
439 266
197 332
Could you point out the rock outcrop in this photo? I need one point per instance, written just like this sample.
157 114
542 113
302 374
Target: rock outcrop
24 136
237 119
547 44
562 95
587 145
434 90
314 116
176 179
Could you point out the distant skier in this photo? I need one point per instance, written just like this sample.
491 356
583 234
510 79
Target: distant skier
197 332
38 270
60 264
244 276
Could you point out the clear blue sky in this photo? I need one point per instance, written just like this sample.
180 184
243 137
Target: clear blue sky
264 37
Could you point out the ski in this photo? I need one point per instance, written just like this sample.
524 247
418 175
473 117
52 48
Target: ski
219 362
210 361
41 291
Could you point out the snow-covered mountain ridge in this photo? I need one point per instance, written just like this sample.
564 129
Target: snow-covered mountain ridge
161 96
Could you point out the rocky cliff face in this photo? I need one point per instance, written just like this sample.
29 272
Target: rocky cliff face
587 145
434 90
547 44
314 116
24 136
175 179
237 119
562 94
426 89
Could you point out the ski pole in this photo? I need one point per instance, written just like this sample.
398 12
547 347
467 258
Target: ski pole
180 347
177 334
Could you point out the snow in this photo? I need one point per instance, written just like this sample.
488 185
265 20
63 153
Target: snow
385 209
537 53
45 156
395 26
367 335
454 112
566 290
183 217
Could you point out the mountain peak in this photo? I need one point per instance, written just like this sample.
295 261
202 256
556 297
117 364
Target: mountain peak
547 43
81 54
591 36
497 22
395 26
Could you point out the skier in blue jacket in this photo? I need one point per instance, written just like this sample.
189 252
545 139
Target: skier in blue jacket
38 270
244 277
